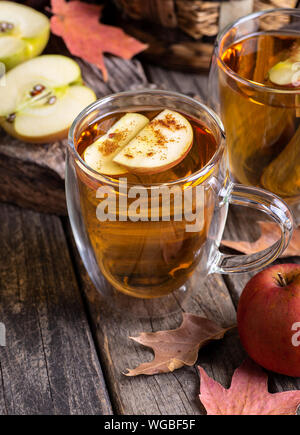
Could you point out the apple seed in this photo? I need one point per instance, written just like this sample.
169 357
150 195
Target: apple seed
51 100
5 26
10 118
37 89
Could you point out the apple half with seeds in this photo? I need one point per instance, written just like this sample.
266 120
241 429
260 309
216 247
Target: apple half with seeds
24 33
42 97
160 145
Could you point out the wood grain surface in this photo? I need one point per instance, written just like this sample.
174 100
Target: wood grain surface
49 364
174 393
67 347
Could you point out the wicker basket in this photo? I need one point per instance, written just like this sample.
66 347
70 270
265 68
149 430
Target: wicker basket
181 33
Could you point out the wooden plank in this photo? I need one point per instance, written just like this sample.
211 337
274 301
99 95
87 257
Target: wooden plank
32 175
49 364
174 393
187 83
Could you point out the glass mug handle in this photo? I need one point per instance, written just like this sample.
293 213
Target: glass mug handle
274 207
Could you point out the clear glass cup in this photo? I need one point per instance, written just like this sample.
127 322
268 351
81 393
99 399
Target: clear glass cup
261 119
146 266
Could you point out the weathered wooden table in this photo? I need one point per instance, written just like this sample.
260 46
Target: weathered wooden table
65 350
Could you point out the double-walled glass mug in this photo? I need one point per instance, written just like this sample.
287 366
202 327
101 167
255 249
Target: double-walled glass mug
254 86
148 242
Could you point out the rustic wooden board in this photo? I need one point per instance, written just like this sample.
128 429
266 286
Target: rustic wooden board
49 364
188 84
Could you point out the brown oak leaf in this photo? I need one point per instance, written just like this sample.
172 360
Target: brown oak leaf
247 395
270 233
178 347
78 24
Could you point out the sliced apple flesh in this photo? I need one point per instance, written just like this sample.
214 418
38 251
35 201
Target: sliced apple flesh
42 97
49 119
287 72
133 144
99 156
162 144
24 33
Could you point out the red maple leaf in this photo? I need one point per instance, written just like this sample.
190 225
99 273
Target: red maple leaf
78 24
247 395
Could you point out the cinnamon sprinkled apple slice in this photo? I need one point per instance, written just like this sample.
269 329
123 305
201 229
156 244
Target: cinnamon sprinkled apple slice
99 155
162 144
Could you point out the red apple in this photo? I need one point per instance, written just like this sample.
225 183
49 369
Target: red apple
269 319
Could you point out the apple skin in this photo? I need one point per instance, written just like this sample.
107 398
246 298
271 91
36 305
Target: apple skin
69 86
32 48
159 169
8 127
266 313
90 179
36 45
31 42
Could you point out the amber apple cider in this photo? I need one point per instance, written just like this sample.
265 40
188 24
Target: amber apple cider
147 259
262 114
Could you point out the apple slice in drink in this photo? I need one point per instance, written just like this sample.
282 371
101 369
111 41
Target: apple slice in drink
24 33
162 144
99 155
42 97
287 72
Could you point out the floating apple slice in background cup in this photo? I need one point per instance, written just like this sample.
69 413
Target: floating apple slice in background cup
287 72
42 97
99 155
24 33
159 146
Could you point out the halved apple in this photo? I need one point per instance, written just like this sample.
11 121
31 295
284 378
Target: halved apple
42 97
162 144
99 155
24 33
287 72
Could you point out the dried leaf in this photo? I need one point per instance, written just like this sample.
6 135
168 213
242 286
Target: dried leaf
77 23
247 395
178 347
270 233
